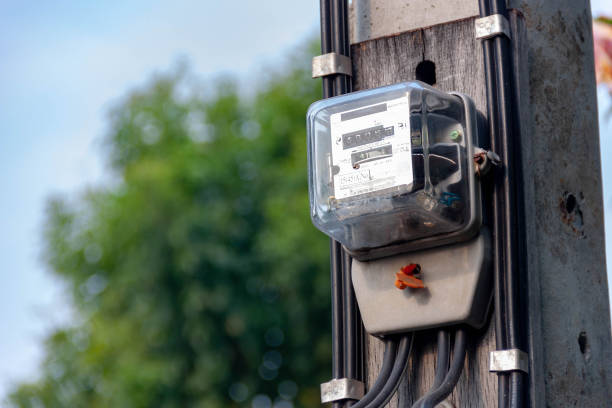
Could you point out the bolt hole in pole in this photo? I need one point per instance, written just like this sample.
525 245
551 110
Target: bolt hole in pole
426 72
570 203
582 342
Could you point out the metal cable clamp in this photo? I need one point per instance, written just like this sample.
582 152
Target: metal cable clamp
331 64
491 26
341 389
508 360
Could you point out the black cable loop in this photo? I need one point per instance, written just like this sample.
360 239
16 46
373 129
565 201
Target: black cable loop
391 346
452 377
442 361
443 357
390 386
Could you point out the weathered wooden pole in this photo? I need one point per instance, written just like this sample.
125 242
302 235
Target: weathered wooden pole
565 310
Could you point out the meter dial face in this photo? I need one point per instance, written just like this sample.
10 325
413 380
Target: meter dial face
371 148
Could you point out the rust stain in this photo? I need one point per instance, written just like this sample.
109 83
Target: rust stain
571 213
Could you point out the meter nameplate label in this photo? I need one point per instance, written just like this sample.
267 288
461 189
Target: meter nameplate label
371 148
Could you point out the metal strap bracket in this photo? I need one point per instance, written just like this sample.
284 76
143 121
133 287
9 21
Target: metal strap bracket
341 389
508 360
331 64
491 26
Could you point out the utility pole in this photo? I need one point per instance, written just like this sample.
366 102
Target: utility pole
565 308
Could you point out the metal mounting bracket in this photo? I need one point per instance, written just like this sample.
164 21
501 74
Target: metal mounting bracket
492 26
331 64
341 389
484 160
508 360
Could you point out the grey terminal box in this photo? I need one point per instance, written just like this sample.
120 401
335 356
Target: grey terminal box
457 288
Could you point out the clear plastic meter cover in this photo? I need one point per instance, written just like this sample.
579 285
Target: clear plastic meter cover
389 165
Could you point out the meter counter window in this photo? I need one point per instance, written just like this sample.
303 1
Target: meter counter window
371 149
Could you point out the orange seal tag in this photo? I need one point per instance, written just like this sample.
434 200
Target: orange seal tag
409 276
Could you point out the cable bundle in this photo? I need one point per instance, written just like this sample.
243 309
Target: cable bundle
506 228
347 330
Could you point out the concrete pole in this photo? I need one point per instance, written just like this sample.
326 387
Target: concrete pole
567 312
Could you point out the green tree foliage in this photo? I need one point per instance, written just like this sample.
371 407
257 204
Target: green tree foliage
197 277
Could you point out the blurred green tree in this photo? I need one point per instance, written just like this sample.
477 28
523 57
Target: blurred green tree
196 276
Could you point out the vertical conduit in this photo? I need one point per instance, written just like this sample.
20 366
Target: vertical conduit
507 230
347 332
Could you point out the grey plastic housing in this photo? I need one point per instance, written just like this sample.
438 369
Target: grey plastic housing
404 180
458 288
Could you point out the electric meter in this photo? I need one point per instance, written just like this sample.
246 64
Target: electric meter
391 169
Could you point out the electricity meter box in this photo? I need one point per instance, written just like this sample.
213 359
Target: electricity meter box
391 169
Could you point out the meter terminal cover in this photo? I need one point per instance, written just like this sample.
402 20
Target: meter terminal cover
391 169
457 288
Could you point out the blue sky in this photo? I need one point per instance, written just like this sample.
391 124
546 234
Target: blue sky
64 64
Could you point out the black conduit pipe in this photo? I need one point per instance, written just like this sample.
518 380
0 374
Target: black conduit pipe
391 346
337 314
350 324
450 381
507 229
390 386
512 225
335 248
442 357
347 334
498 249
442 361
340 40
328 88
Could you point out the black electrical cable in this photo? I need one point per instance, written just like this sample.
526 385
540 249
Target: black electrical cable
391 346
353 327
339 44
511 258
339 40
507 229
350 324
397 372
442 361
509 139
326 44
347 334
360 345
444 390
498 250
506 133
347 46
335 248
337 313
442 357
